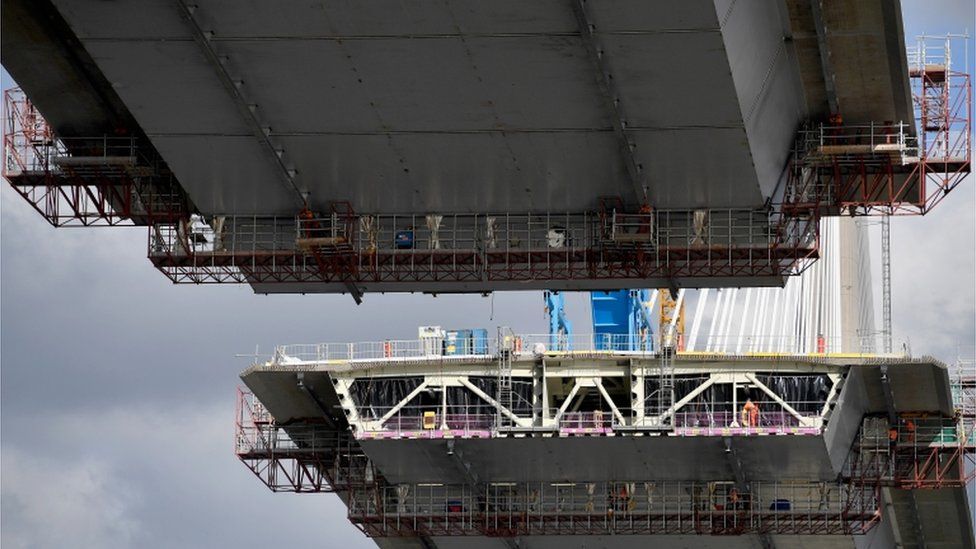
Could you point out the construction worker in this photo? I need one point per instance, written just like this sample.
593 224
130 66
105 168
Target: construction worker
750 414
645 223
733 504
910 431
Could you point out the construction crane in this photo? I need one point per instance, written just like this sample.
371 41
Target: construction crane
672 318
560 328
622 319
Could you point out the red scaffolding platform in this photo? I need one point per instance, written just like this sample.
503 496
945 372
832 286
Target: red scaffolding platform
96 181
890 168
915 454
481 248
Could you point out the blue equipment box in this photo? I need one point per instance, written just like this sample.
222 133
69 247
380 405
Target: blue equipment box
780 505
466 342
403 240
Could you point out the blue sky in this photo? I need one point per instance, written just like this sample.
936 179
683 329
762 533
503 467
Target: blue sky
117 388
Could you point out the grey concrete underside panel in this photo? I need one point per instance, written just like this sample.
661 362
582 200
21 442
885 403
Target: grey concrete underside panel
915 387
767 82
865 40
37 50
845 419
600 458
943 515
494 285
458 106
285 400
643 542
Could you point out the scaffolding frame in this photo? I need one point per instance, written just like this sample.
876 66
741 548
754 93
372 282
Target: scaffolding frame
914 453
511 509
364 248
889 169
309 457
301 458
82 181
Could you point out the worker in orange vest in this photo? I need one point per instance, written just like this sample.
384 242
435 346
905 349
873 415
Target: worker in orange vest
910 427
750 414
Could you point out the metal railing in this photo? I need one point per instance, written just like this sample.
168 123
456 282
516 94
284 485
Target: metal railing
638 507
476 247
825 144
554 235
913 453
744 344
88 181
935 52
482 419
583 421
413 419
770 415
527 345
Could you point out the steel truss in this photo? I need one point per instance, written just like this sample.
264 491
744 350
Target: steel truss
475 412
917 453
98 181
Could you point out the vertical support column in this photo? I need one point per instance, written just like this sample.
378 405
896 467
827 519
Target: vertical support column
539 400
636 393
886 283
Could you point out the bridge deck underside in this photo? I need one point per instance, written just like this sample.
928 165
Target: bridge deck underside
601 458
635 542
457 106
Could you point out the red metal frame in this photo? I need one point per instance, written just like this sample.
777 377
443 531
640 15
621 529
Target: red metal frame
87 195
867 183
303 458
474 267
287 458
919 453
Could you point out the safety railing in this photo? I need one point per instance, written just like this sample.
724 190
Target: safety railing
584 421
425 418
761 413
473 247
299 457
744 344
554 234
913 453
88 181
257 432
934 53
524 345
639 507
826 144
527 345
481 420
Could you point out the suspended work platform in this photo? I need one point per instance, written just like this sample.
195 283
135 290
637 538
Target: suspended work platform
599 242
411 439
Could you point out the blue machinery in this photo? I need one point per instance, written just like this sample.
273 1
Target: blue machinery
560 328
621 320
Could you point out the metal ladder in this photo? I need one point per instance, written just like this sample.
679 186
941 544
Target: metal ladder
666 372
506 396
